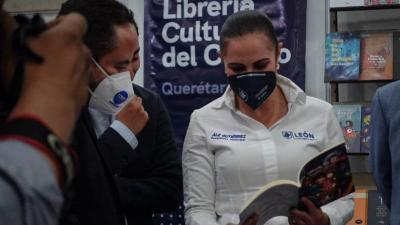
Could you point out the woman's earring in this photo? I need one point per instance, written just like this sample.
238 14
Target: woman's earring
277 66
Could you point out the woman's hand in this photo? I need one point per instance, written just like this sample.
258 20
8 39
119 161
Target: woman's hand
314 216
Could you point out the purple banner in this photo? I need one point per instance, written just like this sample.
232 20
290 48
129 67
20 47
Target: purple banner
181 60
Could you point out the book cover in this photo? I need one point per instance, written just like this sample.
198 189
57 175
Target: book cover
365 135
349 117
378 213
360 208
323 179
342 56
376 56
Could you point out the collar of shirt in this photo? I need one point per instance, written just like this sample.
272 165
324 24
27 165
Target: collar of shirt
293 94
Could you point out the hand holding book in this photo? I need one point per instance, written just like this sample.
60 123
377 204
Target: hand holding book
323 179
312 216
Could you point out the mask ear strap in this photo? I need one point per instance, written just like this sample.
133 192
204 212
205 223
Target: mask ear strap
100 68
91 92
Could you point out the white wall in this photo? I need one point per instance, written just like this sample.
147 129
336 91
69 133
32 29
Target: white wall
137 6
315 48
31 5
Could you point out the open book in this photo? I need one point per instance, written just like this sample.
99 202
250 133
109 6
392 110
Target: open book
323 179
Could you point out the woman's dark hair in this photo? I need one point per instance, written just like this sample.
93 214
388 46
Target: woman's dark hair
247 22
102 16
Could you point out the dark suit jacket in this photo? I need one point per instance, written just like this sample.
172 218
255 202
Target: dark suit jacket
149 177
95 200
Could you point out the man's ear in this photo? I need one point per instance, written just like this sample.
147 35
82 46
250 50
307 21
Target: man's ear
95 75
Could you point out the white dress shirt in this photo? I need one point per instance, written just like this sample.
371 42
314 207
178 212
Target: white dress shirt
101 121
227 156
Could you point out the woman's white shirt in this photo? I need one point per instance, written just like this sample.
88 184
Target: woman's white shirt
228 156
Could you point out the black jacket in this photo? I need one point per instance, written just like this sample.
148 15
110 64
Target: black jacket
149 177
95 200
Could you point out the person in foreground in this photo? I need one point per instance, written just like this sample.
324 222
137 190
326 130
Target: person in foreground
237 144
384 159
129 124
39 86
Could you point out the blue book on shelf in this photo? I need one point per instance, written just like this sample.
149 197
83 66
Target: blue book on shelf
342 56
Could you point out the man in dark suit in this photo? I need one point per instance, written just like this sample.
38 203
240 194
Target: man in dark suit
129 124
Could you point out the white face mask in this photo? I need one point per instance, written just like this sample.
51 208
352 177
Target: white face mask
112 93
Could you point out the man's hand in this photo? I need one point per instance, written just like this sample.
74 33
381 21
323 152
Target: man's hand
314 216
56 89
133 115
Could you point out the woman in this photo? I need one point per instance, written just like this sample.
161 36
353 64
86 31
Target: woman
239 142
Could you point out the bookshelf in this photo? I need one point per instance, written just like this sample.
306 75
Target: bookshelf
362 8
353 16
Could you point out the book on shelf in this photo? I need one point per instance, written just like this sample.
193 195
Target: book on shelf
376 56
360 197
349 118
322 179
365 135
345 3
378 213
362 55
342 56
381 2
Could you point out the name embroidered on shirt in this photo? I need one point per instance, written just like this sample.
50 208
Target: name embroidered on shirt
298 135
230 137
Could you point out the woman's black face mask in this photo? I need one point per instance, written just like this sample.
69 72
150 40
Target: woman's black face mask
254 87
26 28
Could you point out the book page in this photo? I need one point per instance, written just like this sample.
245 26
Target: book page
277 200
327 177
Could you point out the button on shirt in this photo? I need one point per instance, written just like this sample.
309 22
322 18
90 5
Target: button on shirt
228 156
101 121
